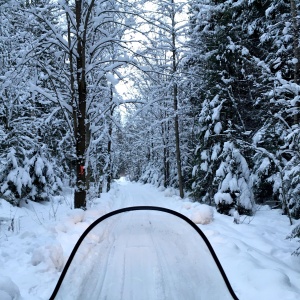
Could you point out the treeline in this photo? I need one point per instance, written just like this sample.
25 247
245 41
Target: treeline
237 85
59 115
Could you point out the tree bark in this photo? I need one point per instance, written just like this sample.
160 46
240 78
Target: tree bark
80 192
165 133
109 144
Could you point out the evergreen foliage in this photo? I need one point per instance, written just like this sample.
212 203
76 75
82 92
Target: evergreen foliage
226 67
295 234
28 175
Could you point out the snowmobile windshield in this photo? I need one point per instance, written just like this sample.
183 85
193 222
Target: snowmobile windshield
143 253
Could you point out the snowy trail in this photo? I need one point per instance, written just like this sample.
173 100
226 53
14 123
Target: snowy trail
255 255
136 194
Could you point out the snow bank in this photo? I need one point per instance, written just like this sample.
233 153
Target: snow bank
76 215
8 289
51 255
255 255
187 205
170 192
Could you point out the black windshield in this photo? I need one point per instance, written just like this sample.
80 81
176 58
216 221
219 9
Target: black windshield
143 253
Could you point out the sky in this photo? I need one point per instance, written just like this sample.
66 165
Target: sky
255 254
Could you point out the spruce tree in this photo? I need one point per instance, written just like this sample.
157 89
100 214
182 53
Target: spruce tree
225 50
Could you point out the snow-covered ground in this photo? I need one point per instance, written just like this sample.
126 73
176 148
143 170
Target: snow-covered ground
255 254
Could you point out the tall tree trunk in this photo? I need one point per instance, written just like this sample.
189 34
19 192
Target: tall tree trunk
175 106
166 157
109 144
80 192
88 170
166 167
177 142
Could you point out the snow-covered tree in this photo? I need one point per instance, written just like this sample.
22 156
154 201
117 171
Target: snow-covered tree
225 91
161 93
234 182
28 175
87 42
280 133
25 116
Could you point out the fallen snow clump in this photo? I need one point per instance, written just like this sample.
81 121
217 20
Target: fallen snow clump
202 214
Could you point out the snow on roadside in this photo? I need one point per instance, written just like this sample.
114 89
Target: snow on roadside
8 289
34 247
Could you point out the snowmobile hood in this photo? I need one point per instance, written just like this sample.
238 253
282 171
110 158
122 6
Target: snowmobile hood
143 252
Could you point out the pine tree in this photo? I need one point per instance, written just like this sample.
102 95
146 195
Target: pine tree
225 51
278 137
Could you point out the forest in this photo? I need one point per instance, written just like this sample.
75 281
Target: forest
197 95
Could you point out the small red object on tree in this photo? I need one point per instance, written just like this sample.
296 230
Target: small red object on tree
81 170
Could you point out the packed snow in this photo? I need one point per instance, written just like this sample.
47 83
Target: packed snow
37 239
